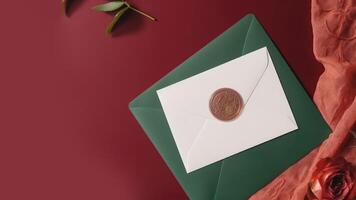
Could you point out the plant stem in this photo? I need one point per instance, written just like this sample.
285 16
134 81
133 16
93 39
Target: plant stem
140 12
64 6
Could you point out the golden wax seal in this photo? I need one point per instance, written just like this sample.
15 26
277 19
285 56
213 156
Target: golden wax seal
225 104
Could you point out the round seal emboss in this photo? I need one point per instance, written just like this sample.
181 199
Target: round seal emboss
225 104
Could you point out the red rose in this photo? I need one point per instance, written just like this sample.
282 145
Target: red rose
332 180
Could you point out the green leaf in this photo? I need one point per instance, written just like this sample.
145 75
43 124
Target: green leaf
116 19
107 7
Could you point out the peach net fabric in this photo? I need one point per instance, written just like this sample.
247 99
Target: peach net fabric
334 30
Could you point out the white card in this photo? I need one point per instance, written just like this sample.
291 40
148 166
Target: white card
202 139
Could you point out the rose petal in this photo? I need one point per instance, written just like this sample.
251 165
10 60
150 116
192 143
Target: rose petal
316 189
332 180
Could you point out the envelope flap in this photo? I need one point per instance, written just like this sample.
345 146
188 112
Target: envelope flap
192 95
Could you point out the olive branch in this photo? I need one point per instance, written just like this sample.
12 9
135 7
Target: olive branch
118 6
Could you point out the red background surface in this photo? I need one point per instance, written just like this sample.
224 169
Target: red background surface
65 128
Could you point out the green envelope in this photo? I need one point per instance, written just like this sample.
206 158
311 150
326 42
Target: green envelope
242 174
